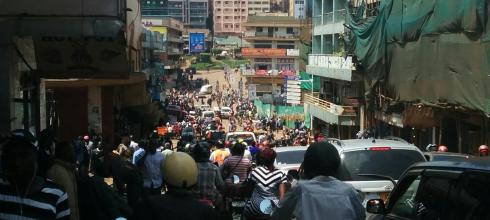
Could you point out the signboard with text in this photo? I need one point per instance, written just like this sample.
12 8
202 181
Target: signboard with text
197 42
263 52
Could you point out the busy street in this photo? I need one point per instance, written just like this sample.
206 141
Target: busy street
245 110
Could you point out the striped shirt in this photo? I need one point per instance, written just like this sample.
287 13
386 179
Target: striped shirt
235 165
51 202
267 187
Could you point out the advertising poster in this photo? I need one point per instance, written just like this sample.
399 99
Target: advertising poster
197 42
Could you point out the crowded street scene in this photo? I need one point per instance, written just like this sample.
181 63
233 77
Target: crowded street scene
245 110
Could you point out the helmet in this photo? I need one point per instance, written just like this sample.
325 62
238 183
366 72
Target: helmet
431 148
442 148
220 143
483 150
201 152
180 170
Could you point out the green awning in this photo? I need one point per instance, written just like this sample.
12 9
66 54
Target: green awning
307 85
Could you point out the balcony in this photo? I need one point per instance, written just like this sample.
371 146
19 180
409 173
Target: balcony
330 66
269 36
331 113
330 23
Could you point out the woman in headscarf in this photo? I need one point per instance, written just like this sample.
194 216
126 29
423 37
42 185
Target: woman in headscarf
269 186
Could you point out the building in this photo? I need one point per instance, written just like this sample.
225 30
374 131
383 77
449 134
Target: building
336 109
193 13
228 16
256 7
299 8
171 30
73 80
275 43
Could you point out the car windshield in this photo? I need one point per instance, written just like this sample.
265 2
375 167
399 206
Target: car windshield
225 110
390 163
209 115
290 157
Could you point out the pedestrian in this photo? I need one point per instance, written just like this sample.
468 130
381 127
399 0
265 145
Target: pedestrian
220 154
151 169
63 172
209 181
24 194
320 196
181 175
269 185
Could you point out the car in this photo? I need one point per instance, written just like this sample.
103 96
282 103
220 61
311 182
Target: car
174 110
450 190
208 114
446 156
205 90
204 107
289 158
188 135
226 112
372 165
233 136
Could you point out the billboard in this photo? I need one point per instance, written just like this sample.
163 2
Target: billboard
263 52
197 42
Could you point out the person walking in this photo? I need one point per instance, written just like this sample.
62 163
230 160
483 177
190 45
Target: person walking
151 169
320 196
63 172
24 194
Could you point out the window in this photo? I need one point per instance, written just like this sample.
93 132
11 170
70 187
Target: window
259 29
226 26
218 17
237 25
405 205
289 30
276 29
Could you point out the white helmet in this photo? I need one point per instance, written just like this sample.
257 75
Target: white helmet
180 170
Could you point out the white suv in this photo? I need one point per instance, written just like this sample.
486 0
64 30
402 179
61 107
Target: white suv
375 158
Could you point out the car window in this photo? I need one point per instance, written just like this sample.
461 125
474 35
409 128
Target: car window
473 199
434 201
390 163
405 205
290 157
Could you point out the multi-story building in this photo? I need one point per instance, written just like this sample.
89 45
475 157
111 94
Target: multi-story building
299 8
171 29
228 16
193 13
256 7
336 107
274 52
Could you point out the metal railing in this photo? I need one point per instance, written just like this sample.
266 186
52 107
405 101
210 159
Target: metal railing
330 107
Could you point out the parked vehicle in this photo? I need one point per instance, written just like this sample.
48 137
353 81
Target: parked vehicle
446 156
205 90
289 158
450 190
226 112
233 136
208 114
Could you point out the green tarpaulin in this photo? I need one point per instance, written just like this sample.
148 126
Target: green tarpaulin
429 51
307 85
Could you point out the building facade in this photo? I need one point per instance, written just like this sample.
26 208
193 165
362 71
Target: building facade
172 31
228 16
192 13
339 109
275 43
256 7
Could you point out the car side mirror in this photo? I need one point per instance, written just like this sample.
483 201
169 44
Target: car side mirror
375 206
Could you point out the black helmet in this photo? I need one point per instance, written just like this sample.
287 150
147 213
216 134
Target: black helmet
201 152
220 143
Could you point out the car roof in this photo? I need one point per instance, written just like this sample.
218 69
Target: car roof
240 132
449 154
477 163
204 112
225 107
362 144
290 148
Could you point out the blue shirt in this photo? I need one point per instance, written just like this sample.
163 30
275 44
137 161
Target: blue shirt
138 154
321 198
152 174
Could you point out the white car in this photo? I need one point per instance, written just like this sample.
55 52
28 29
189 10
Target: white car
207 114
205 107
226 112
233 136
205 90
379 158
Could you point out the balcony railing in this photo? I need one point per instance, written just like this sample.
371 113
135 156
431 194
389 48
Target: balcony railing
330 17
330 107
271 35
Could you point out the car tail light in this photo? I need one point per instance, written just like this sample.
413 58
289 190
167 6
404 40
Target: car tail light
380 148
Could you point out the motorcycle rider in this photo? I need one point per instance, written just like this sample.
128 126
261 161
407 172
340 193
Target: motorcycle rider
442 148
483 151
181 175
431 148
219 155
209 181
320 196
